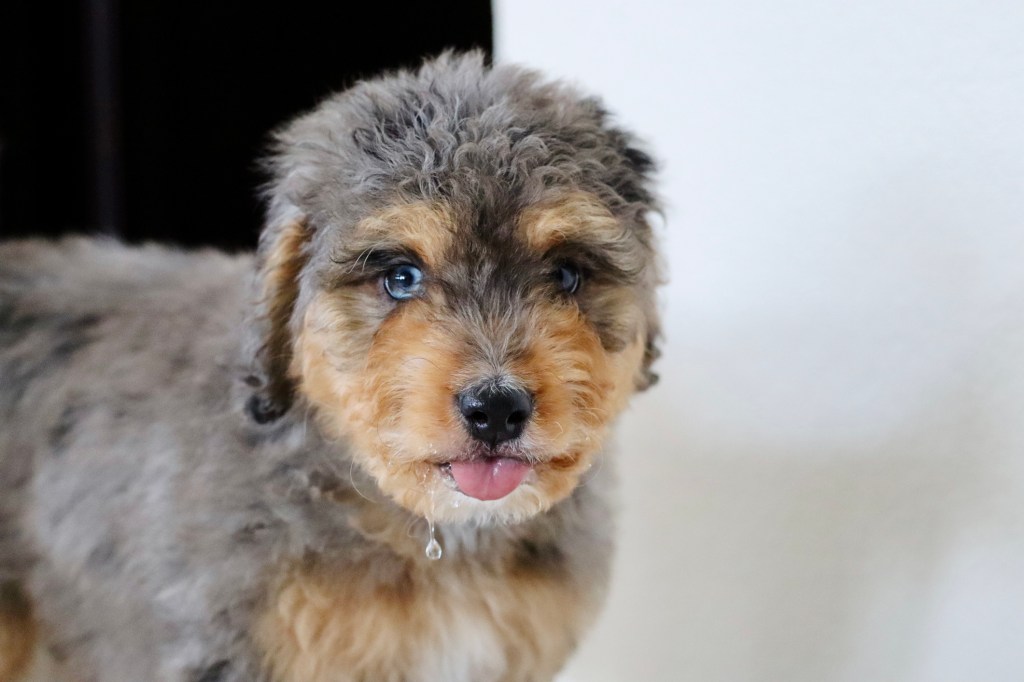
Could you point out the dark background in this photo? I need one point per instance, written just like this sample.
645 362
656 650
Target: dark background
144 119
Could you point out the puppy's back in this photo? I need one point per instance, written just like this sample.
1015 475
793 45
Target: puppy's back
90 330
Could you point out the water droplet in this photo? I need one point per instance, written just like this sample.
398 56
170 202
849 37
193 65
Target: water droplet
434 550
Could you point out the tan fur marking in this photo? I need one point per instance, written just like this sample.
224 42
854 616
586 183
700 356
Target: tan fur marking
577 215
428 229
284 262
579 389
17 632
396 430
464 623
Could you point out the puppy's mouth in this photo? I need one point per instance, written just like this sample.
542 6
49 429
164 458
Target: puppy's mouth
487 477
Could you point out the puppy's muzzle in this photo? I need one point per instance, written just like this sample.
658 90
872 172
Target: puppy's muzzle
494 413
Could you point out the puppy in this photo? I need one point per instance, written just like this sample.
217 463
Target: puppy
380 459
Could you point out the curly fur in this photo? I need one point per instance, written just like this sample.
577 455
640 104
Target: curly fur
210 477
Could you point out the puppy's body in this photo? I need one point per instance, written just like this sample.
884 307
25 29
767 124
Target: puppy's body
184 501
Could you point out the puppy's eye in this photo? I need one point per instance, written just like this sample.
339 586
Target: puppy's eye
568 278
403 281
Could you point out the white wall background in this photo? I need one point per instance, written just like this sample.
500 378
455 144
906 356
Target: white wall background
828 484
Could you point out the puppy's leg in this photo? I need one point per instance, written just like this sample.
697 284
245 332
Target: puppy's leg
17 631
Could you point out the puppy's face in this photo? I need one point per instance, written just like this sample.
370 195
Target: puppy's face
476 371
471 348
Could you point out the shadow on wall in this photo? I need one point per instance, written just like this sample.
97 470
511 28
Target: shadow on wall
809 565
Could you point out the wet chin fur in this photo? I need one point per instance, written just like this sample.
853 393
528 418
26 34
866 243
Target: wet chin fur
428 490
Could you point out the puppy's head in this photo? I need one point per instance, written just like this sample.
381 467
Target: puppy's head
457 278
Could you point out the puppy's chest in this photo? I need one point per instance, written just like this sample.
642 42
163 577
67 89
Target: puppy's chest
439 621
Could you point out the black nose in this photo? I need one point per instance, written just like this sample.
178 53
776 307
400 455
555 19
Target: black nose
495 414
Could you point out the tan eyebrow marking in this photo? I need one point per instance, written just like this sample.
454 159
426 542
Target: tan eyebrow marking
427 229
577 216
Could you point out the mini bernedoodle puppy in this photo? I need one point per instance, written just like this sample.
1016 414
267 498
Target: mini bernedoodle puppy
378 460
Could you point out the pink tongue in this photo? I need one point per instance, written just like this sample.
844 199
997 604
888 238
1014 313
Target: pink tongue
491 478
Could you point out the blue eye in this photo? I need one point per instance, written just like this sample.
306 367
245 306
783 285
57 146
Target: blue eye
403 281
568 278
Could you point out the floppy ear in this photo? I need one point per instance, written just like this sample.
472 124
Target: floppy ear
280 259
647 378
633 182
